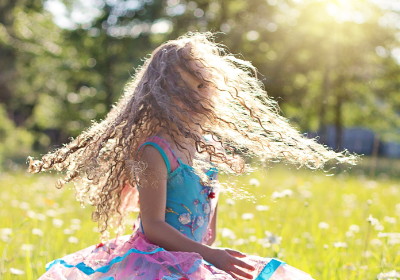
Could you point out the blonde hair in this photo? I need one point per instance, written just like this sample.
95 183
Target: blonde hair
102 160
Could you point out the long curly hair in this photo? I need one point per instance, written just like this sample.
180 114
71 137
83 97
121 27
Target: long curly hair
102 161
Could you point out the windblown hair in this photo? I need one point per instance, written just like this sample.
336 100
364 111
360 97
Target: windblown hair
102 161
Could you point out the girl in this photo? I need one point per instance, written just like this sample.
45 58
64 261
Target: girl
190 111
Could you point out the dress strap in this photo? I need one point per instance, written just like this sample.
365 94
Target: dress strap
161 151
164 143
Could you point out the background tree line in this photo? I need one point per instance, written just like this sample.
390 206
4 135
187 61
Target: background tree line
331 62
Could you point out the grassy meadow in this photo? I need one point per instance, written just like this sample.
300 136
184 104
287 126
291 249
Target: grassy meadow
341 227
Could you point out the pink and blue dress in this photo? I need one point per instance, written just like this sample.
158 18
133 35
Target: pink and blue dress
189 208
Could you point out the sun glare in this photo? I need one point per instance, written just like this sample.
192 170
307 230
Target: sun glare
345 10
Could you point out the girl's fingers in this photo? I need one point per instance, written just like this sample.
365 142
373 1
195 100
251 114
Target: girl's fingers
233 275
239 272
243 264
236 277
235 253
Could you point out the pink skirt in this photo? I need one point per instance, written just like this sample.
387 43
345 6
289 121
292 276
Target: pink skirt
135 258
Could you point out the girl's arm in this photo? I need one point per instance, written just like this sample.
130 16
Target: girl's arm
213 226
153 196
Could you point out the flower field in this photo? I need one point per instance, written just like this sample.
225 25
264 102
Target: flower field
341 227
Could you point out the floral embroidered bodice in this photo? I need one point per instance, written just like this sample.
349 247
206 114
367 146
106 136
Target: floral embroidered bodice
190 205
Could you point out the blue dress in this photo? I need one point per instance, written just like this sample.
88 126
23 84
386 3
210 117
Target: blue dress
190 207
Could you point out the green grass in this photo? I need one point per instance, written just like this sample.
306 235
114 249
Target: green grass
320 226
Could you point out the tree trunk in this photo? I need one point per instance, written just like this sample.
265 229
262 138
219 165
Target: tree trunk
339 122
326 85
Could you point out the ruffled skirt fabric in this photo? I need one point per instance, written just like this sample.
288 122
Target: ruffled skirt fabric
135 258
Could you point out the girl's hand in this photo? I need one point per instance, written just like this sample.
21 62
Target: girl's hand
228 260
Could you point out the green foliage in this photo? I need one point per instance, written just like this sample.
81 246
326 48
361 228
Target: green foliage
15 142
325 62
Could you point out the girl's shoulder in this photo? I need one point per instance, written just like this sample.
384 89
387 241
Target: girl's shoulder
164 149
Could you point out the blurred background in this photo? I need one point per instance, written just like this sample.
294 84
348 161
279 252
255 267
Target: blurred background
333 65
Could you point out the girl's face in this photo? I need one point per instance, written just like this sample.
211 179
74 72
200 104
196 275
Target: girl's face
201 87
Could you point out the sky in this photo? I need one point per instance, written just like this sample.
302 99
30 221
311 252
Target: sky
85 11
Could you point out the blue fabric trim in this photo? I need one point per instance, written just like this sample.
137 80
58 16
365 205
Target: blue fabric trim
88 270
161 151
172 277
269 269
206 262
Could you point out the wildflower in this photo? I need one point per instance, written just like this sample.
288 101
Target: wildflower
5 234
58 223
272 238
37 231
31 214
41 217
16 271
262 208
51 213
389 220
307 235
27 247
226 232
68 231
340 244
349 266
296 240
75 227
254 182
247 216
240 241
393 237
264 242
376 242
375 223
371 184
276 195
73 239
6 231
24 205
367 254
230 201
391 275
323 225
269 240
350 200
306 193
285 193
249 230
354 228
